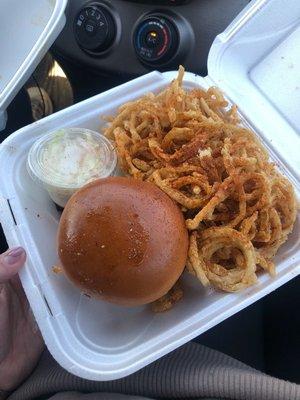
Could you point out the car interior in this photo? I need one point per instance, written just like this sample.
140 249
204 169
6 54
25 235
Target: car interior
105 43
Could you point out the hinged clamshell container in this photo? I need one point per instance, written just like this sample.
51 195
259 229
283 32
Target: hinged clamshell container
256 62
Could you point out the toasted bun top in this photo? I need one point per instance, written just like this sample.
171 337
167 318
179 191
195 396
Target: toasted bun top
122 240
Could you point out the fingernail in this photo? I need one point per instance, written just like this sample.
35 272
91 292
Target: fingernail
13 255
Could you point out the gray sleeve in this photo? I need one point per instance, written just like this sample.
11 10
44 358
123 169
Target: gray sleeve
94 396
190 372
99 396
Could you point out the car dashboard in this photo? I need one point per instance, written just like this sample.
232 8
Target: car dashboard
131 38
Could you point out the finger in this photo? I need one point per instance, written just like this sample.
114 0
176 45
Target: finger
11 262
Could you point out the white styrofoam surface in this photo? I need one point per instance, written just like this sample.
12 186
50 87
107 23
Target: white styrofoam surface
94 339
27 30
256 61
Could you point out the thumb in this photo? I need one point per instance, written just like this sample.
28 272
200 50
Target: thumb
11 262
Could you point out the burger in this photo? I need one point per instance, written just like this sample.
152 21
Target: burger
123 241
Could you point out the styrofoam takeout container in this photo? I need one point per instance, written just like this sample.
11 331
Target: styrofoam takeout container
256 62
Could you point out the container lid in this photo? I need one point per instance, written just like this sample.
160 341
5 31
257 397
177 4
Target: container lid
256 62
27 30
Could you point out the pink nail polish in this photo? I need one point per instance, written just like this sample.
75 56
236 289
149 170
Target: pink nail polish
13 255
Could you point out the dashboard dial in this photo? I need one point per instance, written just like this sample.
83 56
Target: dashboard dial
94 28
155 39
